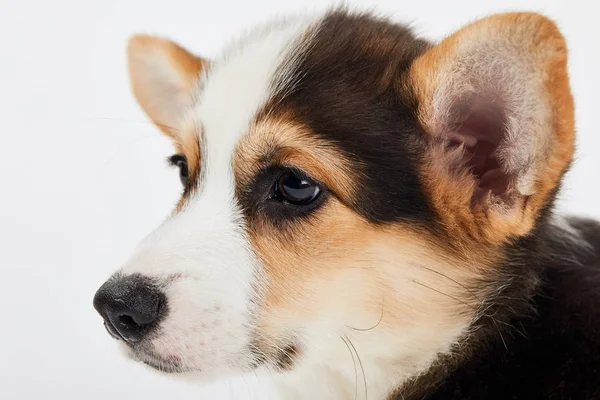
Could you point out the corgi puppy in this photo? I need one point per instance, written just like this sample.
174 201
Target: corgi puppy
366 214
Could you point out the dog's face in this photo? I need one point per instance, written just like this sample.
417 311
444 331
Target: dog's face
348 188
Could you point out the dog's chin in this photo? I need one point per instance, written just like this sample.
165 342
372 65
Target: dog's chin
164 367
170 364
174 366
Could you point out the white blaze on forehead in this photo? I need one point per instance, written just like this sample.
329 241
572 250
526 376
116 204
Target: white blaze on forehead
204 237
201 255
236 89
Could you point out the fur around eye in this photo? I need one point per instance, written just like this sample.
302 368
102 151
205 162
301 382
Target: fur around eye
180 161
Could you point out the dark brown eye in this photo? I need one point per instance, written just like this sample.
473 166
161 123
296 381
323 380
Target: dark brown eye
180 162
296 190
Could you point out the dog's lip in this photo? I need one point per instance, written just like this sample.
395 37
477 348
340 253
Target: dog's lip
167 368
159 363
112 331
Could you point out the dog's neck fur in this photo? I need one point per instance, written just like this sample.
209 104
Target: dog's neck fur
535 322
546 341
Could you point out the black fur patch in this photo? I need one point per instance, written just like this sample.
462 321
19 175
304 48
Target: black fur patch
282 358
347 95
538 333
286 357
541 337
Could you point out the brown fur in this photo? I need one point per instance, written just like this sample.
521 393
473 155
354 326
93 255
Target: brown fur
337 263
143 51
165 75
188 144
281 141
336 251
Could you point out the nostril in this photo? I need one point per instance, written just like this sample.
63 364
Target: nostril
127 321
129 329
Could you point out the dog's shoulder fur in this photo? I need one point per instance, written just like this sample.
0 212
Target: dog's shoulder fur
548 346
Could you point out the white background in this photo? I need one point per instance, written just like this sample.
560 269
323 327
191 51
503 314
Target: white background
83 175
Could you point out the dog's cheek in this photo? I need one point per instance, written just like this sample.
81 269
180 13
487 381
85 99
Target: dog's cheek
317 270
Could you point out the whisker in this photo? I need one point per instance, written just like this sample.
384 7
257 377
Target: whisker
499 332
355 370
361 366
508 325
374 326
442 293
453 280
481 303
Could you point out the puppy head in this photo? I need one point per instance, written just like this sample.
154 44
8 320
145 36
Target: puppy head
344 183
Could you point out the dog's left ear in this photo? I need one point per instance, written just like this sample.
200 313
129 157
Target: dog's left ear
163 77
496 107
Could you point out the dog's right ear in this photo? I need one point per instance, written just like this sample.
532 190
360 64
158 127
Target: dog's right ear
163 78
496 107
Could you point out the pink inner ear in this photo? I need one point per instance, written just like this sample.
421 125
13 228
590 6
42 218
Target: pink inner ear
480 130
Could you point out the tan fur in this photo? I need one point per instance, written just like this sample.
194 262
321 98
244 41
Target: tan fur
187 143
336 266
280 141
163 77
531 55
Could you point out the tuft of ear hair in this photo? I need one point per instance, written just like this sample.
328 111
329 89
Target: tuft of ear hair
495 103
163 78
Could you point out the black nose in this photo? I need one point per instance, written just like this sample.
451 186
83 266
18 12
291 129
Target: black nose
130 305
